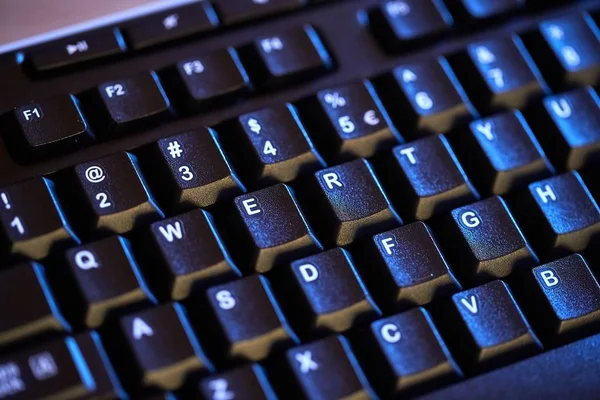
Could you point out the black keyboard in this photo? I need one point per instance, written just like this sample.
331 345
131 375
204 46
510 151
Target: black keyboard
261 199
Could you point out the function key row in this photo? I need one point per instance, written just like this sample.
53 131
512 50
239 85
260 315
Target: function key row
472 331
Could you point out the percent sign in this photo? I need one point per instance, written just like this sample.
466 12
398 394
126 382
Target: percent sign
335 100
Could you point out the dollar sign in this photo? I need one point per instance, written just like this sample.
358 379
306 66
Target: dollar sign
254 126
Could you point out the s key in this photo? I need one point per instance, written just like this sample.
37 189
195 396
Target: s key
32 220
114 195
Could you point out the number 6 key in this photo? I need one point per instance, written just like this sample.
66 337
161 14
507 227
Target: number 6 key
115 196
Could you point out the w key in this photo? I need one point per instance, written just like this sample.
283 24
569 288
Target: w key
115 197
31 219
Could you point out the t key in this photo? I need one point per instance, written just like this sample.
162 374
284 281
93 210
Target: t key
195 172
358 125
484 239
32 220
191 252
427 95
277 229
108 279
115 197
163 346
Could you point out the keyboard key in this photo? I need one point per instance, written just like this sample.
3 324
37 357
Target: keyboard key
398 24
169 25
325 369
502 154
236 11
485 241
191 253
560 215
87 46
107 278
350 203
427 95
478 10
500 74
567 299
357 125
326 294
248 323
496 330
51 370
249 381
406 354
276 227
48 127
425 178
571 125
32 221
29 306
164 347
407 268
193 170
272 145
115 196
291 55
207 80
569 48
132 101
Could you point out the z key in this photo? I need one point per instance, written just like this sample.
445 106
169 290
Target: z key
114 195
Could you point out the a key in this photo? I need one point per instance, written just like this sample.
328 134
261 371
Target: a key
107 278
424 178
405 354
325 369
249 381
193 170
560 215
274 227
246 320
192 253
114 194
427 95
571 125
565 299
33 222
569 48
500 74
207 80
489 328
475 11
400 23
236 11
272 145
107 384
328 294
294 54
350 203
164 348
407 268
501 153
48 127
356 123
27 304
170 25
51 370
484 242
87 46
135 100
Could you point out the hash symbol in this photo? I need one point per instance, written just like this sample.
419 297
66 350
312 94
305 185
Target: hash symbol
174 149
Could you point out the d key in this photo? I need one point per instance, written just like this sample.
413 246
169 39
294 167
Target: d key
115 197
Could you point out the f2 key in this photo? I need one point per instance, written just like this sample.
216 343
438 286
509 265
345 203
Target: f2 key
31 219
114 194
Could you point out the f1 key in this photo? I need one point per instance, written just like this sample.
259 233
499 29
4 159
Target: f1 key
31 219
114 195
